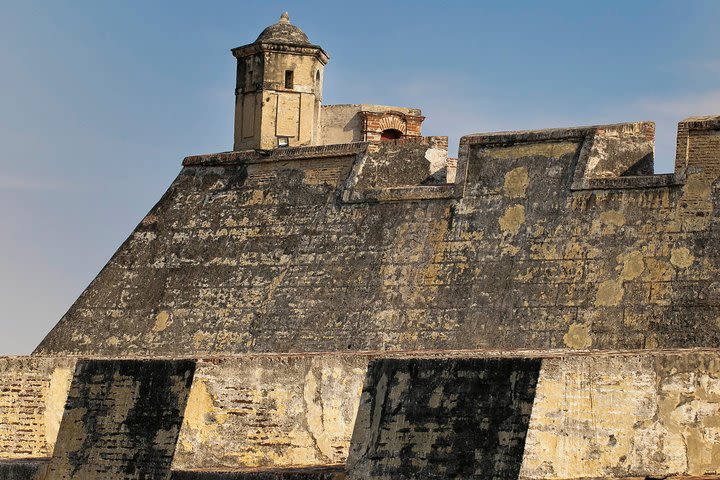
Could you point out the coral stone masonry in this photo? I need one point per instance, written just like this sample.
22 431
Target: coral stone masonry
335 298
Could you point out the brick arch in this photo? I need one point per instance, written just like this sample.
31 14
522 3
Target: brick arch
394 122
374 123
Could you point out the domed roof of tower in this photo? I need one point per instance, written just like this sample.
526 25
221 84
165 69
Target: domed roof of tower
283 32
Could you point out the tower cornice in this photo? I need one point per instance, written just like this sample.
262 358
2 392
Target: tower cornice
308 50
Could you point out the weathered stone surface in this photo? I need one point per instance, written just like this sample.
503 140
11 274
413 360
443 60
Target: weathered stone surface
273 411
121 420
622 150
253 253
626 415
599 415
443 418
22 469
401 163
328 473
605 415
33 391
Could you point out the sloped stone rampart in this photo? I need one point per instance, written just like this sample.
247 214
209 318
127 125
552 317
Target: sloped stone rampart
533 246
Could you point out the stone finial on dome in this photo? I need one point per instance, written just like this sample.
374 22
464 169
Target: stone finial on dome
283 32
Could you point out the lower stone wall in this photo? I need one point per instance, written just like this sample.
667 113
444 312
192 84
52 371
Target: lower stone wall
534 416
601 415
620 416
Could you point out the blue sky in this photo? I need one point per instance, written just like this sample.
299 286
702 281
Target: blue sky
100 101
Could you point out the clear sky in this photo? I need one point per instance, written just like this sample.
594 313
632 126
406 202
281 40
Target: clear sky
100 100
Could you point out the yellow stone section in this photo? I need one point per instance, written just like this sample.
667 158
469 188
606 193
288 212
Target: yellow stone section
162 320
199 408
60 380
625 415
33 392
275 411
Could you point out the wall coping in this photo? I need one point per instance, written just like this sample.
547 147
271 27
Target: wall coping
462 353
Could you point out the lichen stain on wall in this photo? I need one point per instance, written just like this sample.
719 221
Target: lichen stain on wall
578 336
681 257
513 218
633 265
162 321
608 222
609 293
516 182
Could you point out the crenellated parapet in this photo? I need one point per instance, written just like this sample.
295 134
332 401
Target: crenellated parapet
698 145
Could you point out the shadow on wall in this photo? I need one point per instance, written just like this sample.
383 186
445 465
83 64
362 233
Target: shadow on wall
443 418
127 412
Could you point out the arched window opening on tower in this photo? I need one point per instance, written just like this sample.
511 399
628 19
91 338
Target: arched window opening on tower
288 79
390 134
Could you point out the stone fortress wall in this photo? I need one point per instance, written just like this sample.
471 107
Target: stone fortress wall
542 241
543 307
378 399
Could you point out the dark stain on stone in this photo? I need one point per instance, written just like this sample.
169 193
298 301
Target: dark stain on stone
443 418
22 469
127 412
318 473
